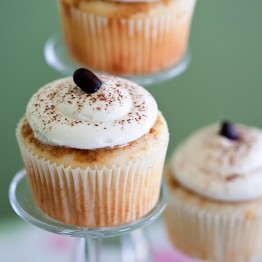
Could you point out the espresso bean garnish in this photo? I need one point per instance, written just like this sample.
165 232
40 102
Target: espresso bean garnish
87 80
229 131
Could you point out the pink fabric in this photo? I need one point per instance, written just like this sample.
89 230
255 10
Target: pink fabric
171 255
59 243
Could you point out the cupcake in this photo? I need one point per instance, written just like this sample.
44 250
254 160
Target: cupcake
93 147
126 37
215 181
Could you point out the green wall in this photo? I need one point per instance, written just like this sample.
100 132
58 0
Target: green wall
222 82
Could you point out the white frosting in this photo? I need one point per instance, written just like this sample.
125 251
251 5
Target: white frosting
120 112
218 168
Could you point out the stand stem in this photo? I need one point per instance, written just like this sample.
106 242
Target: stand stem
88 250
93 247
135 248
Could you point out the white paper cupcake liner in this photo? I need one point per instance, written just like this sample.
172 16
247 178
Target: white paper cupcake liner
213 234
136 45
96 197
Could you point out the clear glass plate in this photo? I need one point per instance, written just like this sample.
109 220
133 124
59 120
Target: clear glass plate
57 57
21 200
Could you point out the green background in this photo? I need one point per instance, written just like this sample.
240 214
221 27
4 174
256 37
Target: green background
223 80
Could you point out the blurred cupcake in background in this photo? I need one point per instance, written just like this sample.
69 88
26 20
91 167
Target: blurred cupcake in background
215 181
94 149
127 37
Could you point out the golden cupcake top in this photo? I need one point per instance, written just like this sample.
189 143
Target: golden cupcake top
123 9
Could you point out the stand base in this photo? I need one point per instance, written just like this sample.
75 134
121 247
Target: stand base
57 57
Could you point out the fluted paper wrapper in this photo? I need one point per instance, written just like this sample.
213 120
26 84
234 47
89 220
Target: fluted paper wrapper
214 235
95 197
128 45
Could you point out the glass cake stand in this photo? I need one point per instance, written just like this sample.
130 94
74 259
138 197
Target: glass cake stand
57 57
134 247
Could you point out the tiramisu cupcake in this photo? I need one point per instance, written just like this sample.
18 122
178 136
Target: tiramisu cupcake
215 182
93 149
132 37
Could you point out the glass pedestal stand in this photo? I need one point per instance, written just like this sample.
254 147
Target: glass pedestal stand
134 248
56 56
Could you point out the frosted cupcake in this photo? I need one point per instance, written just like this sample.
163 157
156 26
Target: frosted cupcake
127 37
215 182
94 155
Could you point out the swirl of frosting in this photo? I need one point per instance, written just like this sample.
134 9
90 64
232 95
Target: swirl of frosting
61 114
219 168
